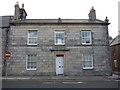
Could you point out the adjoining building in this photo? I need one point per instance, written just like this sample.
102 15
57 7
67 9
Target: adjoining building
4 30
115 54
58 46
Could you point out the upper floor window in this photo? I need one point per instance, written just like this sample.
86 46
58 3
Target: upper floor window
32 37
86 37
59 37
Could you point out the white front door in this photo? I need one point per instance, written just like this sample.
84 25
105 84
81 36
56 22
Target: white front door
59 64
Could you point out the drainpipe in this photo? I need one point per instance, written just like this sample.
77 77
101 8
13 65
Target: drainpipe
6 49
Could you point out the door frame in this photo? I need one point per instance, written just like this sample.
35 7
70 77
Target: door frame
58 64
55 53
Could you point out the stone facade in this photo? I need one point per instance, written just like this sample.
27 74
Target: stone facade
46 50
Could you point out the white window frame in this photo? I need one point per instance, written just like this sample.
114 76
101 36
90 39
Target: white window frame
90 60
90 38
55 32
27 63
115 63
32 37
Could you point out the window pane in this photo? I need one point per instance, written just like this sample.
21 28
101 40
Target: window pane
87 60
32 37
88 40
28 65
32 40
86 64
34 65
59 37
86 37
83 40
32 33
31 63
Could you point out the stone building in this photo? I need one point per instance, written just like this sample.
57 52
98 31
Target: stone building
58 46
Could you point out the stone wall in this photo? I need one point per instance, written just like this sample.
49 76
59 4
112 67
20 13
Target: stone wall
46 54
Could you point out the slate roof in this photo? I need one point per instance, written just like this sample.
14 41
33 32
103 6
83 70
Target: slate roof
55 21
115 41
5 21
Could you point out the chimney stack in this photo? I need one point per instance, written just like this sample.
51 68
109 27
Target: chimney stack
17 9
92 14
20 13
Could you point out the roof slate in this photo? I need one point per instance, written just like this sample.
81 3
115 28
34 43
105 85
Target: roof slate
5 21
115 41
55 21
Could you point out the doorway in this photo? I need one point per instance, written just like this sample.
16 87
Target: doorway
59 64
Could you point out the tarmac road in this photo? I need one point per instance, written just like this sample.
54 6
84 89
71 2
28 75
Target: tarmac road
65 84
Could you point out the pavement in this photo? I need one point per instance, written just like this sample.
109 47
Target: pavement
62 78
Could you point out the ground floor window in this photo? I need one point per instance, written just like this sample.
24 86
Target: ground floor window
115 63
87 61
31 62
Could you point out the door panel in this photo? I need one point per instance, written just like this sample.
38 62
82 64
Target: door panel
59 64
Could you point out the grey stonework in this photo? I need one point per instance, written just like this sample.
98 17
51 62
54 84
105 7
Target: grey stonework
46 50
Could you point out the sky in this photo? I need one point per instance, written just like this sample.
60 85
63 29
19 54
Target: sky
66 9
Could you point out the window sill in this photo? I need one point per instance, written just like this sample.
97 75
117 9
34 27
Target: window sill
31 69
59 44
32 44
87 68
86 44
